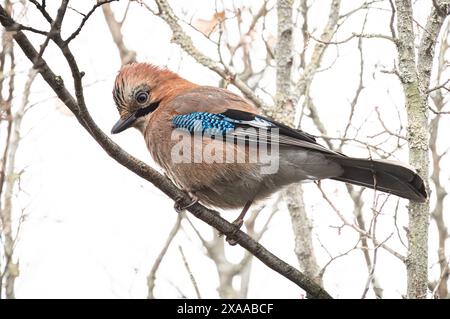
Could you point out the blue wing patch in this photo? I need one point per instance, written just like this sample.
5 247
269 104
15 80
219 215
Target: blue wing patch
204 122
231 120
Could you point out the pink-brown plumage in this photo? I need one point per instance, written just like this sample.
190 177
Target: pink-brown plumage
149 98
204 180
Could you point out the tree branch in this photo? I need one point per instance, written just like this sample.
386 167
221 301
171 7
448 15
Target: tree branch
85 18
415 78
185 42
78 107
115 27
152 275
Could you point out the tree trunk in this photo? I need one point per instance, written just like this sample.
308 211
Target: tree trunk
415 77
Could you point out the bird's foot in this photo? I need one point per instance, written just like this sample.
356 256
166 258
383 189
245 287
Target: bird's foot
179 207
238 224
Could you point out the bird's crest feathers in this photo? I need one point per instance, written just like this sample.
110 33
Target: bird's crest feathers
137 75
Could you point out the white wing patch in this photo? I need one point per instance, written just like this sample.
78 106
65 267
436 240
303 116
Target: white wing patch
256 122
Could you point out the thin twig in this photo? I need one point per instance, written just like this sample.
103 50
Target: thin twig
152 274
191 275
356 228
85 18
185 42
79 108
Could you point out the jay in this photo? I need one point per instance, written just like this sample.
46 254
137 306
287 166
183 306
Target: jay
159 102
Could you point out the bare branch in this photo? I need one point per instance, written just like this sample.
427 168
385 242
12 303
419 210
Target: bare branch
78 107
18 26
361 231
356 35
41 8
441 86
115 27
385 127
415 78
319 50
191 275
185 42
85 18
437 214
11 270
391 24
152 275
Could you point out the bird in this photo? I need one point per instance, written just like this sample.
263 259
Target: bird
182 122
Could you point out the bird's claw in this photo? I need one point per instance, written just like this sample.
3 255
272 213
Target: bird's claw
179 208
238 224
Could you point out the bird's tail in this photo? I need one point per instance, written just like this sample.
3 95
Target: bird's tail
383 175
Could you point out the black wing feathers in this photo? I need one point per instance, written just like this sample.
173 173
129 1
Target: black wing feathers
284 129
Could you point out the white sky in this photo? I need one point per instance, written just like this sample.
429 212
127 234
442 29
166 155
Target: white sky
93 228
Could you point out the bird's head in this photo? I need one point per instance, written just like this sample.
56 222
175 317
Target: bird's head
139 90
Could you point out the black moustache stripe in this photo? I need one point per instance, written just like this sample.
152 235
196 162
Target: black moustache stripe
148 109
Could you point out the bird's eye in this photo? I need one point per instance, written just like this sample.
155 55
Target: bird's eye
142 97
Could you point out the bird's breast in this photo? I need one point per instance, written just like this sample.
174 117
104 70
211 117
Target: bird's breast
217 172
225 174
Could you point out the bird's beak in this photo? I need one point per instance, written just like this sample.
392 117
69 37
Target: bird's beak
124 123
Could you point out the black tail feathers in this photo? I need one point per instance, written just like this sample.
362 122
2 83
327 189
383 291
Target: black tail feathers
383 175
